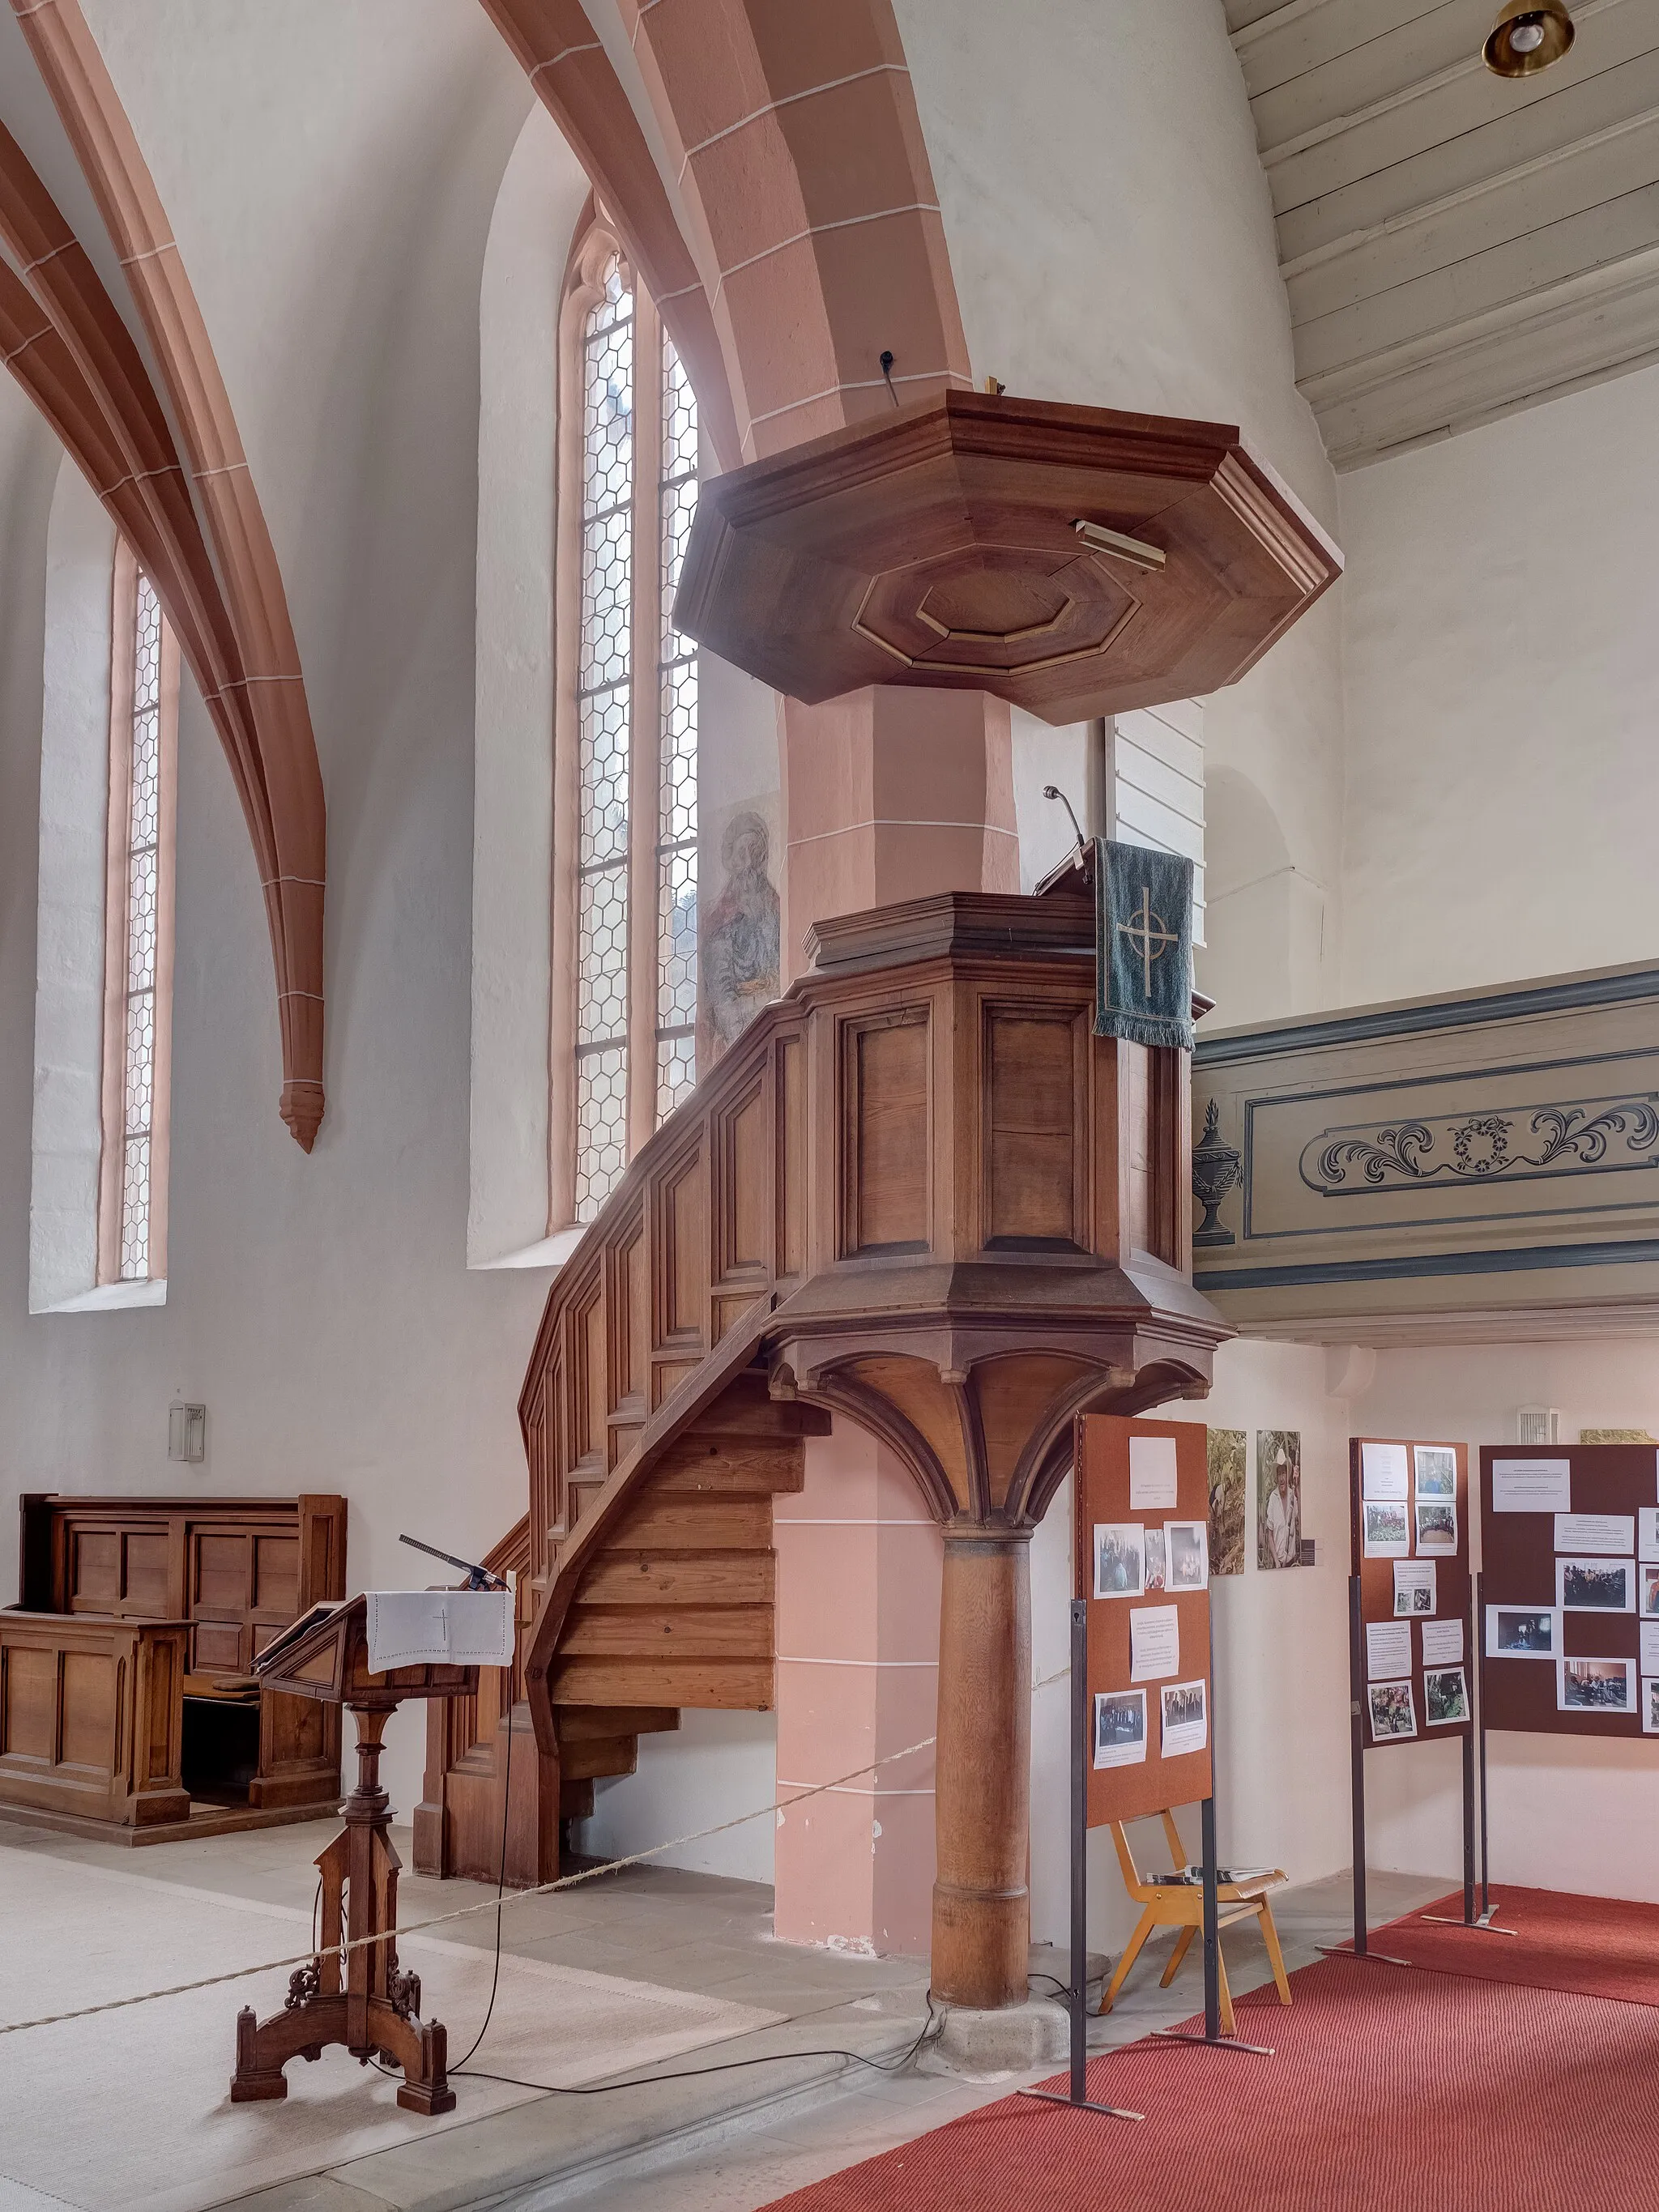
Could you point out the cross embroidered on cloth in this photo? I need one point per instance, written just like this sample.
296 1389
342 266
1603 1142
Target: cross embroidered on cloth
1143 944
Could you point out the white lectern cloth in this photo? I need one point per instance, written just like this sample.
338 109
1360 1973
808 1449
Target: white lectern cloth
443 1627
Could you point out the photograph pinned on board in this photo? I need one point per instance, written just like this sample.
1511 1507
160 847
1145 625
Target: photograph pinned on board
1415 1587
1383 1472
1153 1572
1393 1712
1388 1531
1649 1707
1226 1451
1189 1554
1436 1471
1648 1643
1120 1728
1186 1718
1647 1534
1524 1631
1278 1498
1445 1697
1648 1593
1436 1528
1595 1585
1120 1558
1595 1686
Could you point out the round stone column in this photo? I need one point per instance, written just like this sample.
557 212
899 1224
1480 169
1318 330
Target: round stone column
981 1902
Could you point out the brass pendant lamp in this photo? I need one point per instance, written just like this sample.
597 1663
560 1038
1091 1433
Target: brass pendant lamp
1524 40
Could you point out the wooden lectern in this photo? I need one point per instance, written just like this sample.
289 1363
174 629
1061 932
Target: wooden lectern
325 1657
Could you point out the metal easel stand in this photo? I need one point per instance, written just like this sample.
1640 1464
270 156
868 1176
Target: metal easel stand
1485 1919
1362 1948
1078 2097
1212 2038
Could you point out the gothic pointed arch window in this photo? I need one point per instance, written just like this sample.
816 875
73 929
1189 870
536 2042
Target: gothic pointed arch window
625 783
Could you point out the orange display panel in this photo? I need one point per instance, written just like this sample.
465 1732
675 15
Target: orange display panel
1117 1462
1433 1475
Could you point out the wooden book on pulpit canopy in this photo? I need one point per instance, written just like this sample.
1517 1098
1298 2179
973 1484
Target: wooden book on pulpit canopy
324 1655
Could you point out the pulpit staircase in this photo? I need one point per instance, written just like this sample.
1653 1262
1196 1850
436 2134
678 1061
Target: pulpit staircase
918 1192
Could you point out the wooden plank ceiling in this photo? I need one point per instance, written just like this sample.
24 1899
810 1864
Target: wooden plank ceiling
1455 245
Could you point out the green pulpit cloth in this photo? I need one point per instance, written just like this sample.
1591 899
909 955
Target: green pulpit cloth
1143 944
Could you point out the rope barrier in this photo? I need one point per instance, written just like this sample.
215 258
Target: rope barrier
489 1903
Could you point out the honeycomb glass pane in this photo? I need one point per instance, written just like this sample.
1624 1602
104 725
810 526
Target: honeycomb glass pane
680 417
146 779
602 964
142 870
608 416
677 938
134 1210
677 1072
603 773
679 504
677 816
146 648
607 599
601 1126
140 1073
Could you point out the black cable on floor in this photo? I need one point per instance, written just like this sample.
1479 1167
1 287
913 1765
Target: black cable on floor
501 1892
395 2073
930 2028
604 2088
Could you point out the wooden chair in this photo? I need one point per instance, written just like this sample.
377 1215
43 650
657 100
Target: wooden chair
1181 1904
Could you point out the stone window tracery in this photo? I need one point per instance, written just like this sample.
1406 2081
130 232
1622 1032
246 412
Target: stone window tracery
625 806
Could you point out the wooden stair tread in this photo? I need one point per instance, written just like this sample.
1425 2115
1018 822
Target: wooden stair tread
735 1685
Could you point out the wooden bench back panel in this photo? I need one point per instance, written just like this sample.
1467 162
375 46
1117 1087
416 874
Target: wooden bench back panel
237 1569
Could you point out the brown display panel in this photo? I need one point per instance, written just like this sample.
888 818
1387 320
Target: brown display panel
1129 1793
1517 1565
1453 1587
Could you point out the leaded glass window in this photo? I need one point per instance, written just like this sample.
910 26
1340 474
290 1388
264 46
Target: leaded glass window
677 802
138 949
632 900
605 711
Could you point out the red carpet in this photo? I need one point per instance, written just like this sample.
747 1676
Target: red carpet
1390 2091
1595 1945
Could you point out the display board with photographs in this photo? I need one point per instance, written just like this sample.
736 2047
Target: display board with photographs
1409 1500
1143 1542
1570 1558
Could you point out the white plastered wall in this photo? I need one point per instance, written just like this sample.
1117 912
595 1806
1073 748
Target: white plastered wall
535 215
73 863
1503 673
1113 244
330 174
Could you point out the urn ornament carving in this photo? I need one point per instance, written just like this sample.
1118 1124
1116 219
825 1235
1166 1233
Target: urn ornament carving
1215 1172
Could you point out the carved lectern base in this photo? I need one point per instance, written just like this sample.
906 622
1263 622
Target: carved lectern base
377 2012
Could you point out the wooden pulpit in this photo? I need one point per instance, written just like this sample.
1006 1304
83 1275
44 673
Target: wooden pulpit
363 2000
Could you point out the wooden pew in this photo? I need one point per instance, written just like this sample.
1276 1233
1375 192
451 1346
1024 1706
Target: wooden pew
91 1718
130 1607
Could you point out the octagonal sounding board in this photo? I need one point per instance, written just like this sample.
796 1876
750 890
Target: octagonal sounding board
940 545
